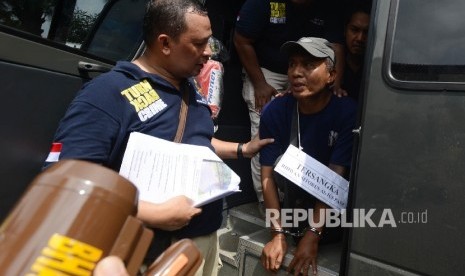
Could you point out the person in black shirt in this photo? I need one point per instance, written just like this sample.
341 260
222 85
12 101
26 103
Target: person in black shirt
356 32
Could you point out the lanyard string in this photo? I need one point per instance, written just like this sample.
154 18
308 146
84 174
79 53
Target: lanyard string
298 128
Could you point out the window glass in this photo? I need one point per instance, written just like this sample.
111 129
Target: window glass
119 34
110 29
27 15
67 22
429 41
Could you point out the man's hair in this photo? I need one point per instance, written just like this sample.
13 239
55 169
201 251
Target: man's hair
168 17
330 65
362 6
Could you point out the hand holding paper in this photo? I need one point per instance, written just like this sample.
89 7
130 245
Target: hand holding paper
162 169
171 215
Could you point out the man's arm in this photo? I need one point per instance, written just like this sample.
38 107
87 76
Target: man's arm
248 57
306 252
339 52
305 255
229 150
340 170
275 250
245 50
86 133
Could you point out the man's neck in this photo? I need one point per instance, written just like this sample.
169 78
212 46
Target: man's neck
144 63
315 104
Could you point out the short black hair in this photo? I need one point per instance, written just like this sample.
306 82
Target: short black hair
168 17
354 7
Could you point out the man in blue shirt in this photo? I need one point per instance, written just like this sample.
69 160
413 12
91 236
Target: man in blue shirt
323 131
261 28
146 96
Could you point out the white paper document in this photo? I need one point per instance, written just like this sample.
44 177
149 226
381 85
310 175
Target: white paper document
162 169
314 177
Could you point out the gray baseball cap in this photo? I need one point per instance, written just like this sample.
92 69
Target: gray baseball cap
317 47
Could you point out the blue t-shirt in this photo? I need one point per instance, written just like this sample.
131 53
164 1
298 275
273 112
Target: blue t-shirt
271 23
326 135
106 110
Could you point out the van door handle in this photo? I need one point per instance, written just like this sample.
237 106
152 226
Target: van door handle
92 67
357 130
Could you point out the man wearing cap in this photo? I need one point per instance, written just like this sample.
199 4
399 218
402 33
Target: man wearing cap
261 28
320 124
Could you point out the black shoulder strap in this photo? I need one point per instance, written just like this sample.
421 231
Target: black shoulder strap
182 115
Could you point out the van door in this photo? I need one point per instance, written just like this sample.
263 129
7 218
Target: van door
48 49
411 153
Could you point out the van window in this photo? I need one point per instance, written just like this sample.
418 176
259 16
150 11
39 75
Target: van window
119 33
110 29
428 41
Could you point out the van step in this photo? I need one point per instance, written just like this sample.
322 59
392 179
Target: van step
228 240
238 221
249 212
243 236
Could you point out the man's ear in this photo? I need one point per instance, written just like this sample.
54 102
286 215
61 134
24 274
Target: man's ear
332 76
165 41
